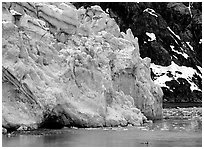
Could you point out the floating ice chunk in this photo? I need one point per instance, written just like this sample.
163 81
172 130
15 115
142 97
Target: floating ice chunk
151 35
144 129
150 11
164 129
91 128
114 128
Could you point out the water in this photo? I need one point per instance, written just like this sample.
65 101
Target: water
165 133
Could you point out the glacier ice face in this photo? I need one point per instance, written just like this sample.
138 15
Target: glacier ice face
81 69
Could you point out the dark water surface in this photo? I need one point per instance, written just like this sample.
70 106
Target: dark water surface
161 133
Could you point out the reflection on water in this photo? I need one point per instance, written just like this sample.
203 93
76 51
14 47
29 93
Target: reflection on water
160 133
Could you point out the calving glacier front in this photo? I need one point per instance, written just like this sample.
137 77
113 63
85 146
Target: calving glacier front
81 69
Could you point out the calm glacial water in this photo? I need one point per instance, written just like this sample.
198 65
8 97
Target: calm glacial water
165 133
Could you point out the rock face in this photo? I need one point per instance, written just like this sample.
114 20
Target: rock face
68 67
169 34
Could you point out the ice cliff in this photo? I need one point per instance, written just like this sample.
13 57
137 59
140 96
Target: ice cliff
67 67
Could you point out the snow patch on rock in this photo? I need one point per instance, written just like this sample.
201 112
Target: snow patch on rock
188 43
200 42
151 11
183 54
200 68
151 35
173 32
184 72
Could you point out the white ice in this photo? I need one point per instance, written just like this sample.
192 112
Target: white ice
173 33
186 73
184 54
151 35
190 46
150 11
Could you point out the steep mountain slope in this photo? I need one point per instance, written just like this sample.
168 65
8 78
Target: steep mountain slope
171 35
